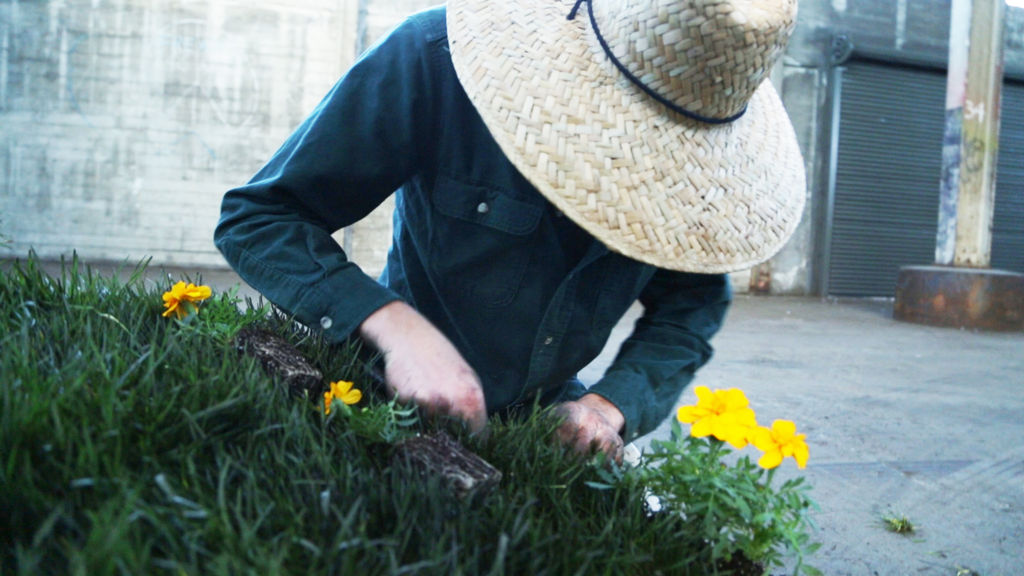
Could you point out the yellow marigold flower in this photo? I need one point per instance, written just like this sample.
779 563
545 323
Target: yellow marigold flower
780 441
724 414
176 298
341 390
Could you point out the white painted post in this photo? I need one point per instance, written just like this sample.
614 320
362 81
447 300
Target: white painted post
971 140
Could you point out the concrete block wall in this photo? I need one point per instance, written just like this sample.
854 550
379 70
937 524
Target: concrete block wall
122 122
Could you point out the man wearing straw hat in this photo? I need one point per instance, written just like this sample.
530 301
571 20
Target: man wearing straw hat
553 163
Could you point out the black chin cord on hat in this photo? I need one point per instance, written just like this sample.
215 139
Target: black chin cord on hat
632 78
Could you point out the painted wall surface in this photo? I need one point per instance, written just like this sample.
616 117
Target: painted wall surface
367 241
122 122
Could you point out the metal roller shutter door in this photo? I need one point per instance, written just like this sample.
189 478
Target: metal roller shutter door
885 201
1008 222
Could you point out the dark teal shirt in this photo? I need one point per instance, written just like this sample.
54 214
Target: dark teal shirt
526 296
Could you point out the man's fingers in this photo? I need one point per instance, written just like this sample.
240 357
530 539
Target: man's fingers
587 431
473 413
477 422
468 406
471 407
422 366
613 448
610 444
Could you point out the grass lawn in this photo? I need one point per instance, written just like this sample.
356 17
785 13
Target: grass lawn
133 443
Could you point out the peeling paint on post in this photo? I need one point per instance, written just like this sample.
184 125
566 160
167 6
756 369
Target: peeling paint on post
956 86
901 24
962 291
980 144
971 139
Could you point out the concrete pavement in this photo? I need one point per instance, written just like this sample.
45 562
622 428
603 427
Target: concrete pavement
901 419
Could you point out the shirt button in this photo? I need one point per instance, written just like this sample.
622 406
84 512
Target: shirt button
548 341
326 322
483 208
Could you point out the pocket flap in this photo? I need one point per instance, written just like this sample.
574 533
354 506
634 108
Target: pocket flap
486 206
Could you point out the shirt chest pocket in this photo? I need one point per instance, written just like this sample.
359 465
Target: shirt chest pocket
481 242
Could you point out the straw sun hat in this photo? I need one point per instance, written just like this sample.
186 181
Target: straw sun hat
676 152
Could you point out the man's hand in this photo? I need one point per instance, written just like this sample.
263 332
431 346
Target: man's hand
592 423
422 366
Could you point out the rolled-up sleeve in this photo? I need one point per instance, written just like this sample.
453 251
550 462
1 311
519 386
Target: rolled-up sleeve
668 344
357 147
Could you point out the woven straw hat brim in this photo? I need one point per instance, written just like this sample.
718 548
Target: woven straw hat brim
648 183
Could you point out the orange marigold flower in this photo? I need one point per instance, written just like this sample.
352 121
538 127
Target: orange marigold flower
177 300
780 441
343 391
724 414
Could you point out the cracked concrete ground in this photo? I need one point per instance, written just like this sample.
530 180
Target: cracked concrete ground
901 420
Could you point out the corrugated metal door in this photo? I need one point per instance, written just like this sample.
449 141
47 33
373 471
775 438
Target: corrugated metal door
1008 222
888 164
